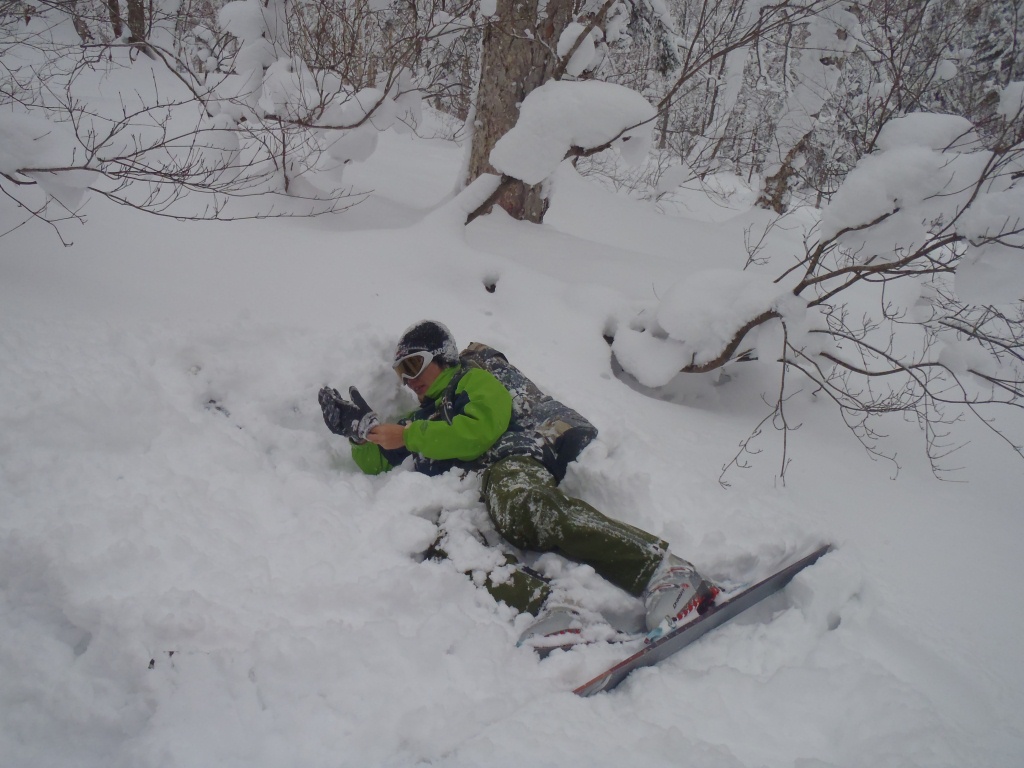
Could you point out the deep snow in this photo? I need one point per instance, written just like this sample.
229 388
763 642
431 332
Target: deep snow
194 573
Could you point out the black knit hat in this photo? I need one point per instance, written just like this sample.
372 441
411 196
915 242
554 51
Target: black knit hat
428 336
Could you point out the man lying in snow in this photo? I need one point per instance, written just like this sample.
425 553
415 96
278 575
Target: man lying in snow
521 440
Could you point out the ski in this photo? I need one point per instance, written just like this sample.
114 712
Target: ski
675 640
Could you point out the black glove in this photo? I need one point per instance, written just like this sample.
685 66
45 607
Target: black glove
353 420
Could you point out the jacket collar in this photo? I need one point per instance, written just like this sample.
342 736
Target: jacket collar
441 382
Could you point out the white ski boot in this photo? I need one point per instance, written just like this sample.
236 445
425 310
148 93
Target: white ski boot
674 592
559 626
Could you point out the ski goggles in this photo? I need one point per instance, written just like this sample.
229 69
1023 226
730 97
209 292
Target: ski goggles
411 366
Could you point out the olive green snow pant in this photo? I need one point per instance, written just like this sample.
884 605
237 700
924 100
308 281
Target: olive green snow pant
532 513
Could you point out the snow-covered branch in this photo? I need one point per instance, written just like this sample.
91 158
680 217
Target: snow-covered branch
934 207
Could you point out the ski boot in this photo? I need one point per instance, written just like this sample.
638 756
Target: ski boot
560 626
674 592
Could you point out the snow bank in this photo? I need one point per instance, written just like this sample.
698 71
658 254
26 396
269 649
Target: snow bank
193 572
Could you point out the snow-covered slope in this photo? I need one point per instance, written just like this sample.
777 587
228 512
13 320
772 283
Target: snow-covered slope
194 573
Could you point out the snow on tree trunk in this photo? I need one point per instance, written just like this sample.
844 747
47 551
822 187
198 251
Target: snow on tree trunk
518 55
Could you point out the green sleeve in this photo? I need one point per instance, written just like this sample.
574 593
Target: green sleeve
369 458
482 420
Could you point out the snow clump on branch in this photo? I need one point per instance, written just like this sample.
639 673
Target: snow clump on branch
698 318
33 141
931 177
583 58
561 115
256 28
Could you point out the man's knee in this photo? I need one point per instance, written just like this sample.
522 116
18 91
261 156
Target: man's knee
527 517
520 499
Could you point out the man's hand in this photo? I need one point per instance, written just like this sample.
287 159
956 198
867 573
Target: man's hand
353 420
388 436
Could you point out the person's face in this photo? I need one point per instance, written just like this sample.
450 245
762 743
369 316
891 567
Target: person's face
420 384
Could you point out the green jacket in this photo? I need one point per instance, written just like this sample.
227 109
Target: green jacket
450 428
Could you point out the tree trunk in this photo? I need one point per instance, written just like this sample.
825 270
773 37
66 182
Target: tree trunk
80 24
777 187
136 21
518 55
114 9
